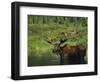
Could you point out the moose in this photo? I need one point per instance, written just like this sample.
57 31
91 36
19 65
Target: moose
68 54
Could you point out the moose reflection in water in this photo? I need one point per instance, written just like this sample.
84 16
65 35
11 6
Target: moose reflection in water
68 54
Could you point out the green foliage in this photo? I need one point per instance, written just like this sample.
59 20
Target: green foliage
42 27
68 21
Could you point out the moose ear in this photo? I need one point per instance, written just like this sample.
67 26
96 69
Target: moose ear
63 40
62 45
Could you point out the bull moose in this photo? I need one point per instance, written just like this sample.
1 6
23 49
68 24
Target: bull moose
68 54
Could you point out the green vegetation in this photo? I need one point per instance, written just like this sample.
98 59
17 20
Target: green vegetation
40 28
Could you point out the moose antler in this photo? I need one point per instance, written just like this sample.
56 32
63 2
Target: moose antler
62 37
49 40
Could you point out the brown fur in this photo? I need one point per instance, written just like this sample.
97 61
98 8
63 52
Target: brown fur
71 54
71 50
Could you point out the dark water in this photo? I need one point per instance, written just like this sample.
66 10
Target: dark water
47 60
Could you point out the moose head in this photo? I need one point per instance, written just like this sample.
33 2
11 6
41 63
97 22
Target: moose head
59 44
